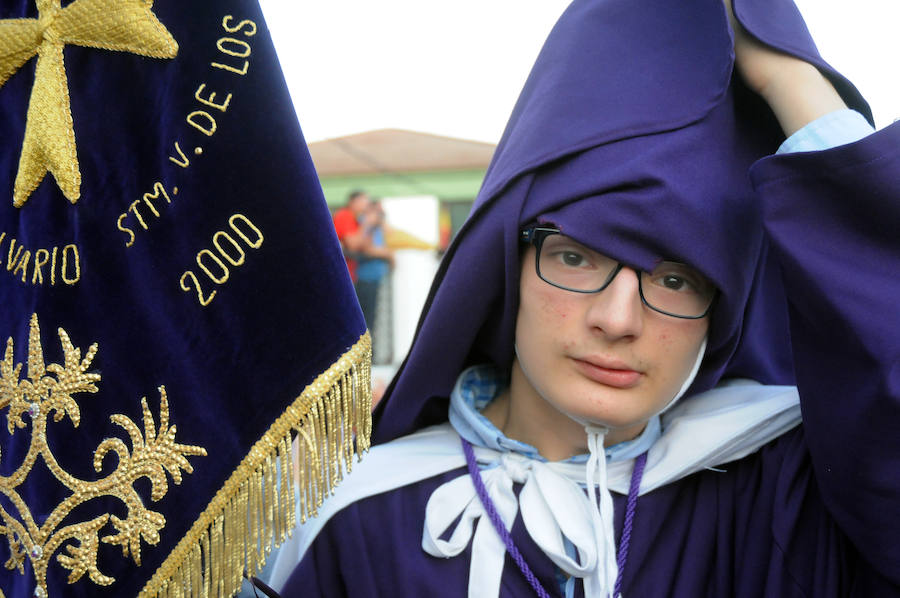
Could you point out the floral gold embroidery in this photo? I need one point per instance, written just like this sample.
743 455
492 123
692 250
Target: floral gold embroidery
49 145
49 389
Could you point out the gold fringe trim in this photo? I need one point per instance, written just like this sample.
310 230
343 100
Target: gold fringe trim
254 511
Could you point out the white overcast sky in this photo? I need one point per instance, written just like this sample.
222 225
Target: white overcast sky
456 68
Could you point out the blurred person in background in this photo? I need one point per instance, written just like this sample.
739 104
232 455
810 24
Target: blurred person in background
374 264
353 237
360 229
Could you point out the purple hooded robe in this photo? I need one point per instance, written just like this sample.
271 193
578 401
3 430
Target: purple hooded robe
632 136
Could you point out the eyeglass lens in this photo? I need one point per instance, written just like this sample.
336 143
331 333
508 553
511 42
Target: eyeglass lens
671 287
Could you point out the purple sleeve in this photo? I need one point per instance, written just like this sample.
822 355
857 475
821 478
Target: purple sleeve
833 218
318 575
336 564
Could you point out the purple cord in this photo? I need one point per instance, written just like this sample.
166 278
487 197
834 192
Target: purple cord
625 541
488 504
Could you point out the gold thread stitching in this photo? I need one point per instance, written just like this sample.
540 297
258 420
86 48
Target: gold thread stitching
234 518
49 144
49 388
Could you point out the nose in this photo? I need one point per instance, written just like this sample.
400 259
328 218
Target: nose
617 310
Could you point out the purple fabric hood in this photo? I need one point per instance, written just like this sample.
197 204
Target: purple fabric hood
632 136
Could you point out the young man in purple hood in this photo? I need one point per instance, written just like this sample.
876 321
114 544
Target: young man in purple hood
658 360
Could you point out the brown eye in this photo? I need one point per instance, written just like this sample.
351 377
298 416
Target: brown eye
679 278
570 258
673 282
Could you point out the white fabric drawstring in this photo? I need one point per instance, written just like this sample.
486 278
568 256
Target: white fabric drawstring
554 511
604 582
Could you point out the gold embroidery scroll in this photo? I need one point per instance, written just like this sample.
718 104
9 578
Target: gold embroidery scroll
154 452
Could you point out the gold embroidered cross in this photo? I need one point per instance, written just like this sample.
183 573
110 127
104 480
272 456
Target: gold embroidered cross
49 145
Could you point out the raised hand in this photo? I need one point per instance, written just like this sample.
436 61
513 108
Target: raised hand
795 90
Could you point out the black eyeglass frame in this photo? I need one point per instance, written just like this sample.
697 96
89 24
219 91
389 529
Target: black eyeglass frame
535 235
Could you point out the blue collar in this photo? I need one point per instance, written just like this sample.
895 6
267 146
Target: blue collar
478 385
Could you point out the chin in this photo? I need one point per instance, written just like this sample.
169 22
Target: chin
613 408
620 423
614 419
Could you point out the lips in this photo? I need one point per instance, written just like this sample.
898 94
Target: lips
609 372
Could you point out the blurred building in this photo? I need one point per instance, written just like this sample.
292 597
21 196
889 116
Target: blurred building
392 163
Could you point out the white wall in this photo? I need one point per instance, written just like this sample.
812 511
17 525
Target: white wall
413 268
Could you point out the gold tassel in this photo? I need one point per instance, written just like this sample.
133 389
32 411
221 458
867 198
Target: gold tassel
215 558
347 438
322 457
291 508
196 572
253 531
274 507
284 459
206 569
182 586
254 510
269 488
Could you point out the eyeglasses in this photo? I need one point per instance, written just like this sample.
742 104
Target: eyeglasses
671 288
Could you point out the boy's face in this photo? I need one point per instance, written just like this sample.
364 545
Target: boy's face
602 357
